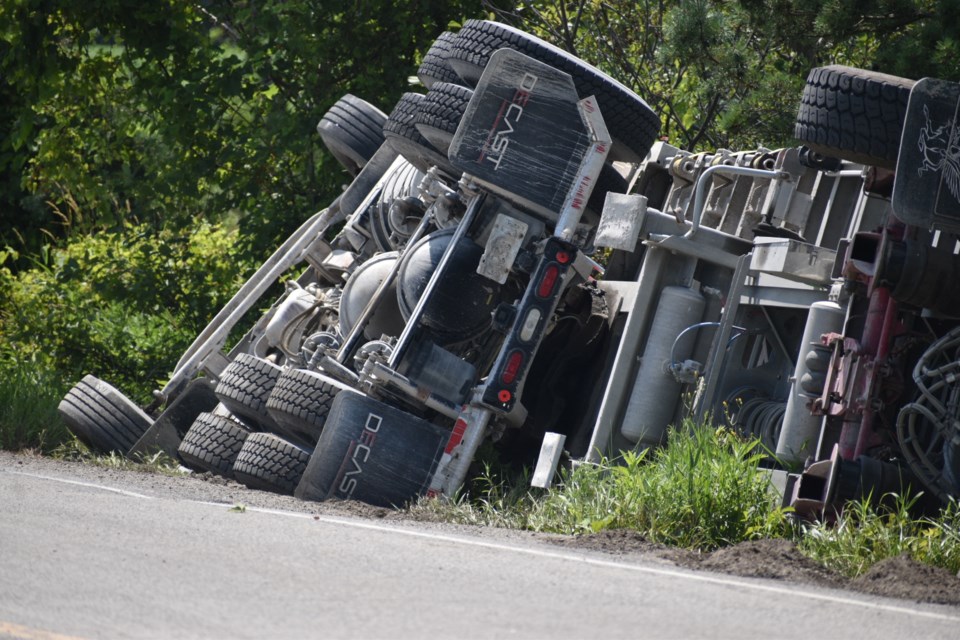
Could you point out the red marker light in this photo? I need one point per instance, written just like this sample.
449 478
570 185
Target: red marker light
563 257
548 281
512 368
504 396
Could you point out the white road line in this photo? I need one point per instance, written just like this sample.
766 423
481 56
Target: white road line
542 553
90 485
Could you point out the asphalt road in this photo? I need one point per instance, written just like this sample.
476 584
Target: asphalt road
83 559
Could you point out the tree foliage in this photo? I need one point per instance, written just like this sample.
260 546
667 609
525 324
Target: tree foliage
152 152
159 112
117 110
123 304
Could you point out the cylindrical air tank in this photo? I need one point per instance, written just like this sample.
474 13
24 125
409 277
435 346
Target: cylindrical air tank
801 429
655 391
360 288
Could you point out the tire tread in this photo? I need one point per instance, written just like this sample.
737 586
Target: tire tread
352 130
300 402
402 134
440 113
245 386
268 462
853 114
213 443
435 67
102 417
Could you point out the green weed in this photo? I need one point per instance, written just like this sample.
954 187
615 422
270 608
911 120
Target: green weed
121 305
492 500
702 492
865 534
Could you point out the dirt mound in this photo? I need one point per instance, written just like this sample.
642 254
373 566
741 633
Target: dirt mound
900 577
212 478
904 577
355 509
622 542
619 541
776 559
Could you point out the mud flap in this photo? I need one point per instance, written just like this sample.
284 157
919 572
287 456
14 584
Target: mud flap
372 452
166 433
926 190
523 136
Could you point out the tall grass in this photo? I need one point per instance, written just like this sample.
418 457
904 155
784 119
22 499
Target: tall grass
703 491
865 534
29 395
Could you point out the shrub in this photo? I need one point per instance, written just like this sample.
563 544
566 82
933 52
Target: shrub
121 305
28 406
703 491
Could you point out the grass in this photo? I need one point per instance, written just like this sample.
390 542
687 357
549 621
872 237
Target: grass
29 421
702 492
29 396
865 534
159 462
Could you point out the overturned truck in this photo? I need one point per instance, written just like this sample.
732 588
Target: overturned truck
519 260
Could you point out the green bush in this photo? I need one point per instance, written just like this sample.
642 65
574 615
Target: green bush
703 491
121 305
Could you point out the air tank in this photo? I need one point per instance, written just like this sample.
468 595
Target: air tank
801 429
359 289
655 391
462 303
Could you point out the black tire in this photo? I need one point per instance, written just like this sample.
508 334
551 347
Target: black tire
631 122
103 418
300 402
853 114
212 444
245 386
268 462
401 133
435 67
440 113
352 130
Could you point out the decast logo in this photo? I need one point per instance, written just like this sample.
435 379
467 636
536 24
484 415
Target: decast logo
509 115
357 455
